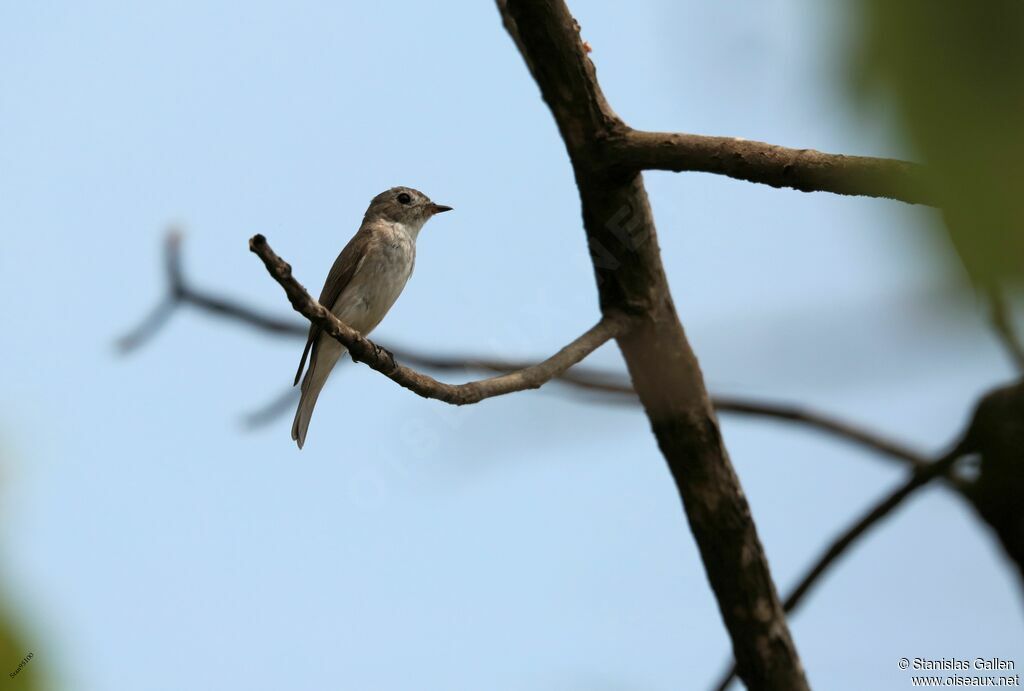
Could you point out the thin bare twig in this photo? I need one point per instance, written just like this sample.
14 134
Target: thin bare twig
149 326
845 540
822 422
277 407
585 380
166 307
180 292
362 349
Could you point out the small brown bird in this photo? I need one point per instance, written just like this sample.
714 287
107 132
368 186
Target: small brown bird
366 279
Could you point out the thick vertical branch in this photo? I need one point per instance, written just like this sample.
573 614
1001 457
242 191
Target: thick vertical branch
664 370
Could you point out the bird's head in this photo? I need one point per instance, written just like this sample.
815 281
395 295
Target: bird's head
404 205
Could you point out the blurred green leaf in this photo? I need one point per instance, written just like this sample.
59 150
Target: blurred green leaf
13 650
954 69
15 645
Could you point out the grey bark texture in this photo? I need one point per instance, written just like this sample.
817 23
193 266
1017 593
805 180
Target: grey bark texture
663 367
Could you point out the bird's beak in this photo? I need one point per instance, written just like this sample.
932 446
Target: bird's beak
439 208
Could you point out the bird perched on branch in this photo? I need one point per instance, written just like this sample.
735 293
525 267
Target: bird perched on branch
366 279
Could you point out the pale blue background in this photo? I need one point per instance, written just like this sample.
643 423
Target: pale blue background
531 542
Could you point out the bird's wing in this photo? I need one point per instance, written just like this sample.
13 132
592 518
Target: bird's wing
340 275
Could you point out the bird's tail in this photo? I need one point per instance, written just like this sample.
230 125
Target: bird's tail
320 367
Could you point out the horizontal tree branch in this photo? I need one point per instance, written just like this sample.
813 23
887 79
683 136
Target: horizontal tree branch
616 386
823 423
361 349
806 170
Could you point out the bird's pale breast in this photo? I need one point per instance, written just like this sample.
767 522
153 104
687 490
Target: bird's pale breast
379 280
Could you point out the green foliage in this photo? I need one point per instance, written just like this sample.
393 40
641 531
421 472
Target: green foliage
954 69
14 648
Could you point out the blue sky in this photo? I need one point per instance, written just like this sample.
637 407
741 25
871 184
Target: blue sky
529 542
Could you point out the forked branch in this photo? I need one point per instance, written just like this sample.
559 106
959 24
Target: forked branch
662 365
921 476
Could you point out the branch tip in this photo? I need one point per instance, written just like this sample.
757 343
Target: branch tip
257 242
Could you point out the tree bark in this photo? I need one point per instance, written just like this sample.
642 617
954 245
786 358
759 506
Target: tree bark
806 170
664 370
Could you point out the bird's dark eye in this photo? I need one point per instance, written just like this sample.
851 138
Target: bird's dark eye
404 198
